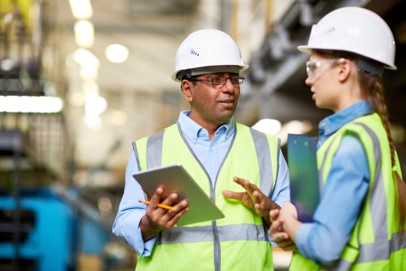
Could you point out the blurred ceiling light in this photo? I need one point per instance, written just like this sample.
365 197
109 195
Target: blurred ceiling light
89 63
88 72
30 104
95 104
8 64
268 126
8 18
84 33
297 127
81 9
294 127
92 121
85 57
90 87
116 53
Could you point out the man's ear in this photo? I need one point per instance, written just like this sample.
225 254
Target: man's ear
186 87
345 68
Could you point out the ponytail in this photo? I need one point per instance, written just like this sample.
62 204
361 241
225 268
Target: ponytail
373 87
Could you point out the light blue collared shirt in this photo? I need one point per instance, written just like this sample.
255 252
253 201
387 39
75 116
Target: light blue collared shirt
210 153
345 190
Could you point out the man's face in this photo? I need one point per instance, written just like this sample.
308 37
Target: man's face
214 97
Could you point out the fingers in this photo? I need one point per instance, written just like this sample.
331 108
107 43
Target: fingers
280 237
155 198
249 187
158 219
177 212
252 190
276 227
287 245
161 218
164 219
283 240
274 214
251 197
168 218
234 195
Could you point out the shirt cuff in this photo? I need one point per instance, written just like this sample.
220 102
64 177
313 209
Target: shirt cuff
301 237
144 249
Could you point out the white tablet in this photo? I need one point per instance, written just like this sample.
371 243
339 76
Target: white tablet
174 178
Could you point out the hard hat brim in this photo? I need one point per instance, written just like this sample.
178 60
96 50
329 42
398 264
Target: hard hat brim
308 50
212 69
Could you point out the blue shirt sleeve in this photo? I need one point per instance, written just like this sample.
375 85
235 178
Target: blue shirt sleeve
281 192
344 193
130 212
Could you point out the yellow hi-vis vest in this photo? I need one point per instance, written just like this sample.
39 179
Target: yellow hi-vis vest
237 242
375 243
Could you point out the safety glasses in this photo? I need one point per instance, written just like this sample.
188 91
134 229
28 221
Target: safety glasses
312 66
221 80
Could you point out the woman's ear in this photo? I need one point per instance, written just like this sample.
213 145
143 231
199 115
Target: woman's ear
345 68
186 87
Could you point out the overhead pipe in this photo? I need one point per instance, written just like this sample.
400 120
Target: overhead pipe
277 59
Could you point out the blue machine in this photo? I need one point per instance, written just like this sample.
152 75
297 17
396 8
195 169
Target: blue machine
47 234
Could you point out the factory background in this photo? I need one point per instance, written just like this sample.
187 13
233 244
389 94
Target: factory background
78 84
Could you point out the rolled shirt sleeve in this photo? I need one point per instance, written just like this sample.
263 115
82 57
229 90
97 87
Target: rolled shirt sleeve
130 213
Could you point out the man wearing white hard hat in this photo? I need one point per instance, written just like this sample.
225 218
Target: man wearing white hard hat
360 222
242 170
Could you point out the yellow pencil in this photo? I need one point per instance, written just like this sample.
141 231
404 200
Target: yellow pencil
167 207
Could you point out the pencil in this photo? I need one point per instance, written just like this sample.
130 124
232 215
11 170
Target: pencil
167 207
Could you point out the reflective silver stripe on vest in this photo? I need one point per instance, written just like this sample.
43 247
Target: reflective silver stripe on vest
264 161
380 249
397 243
205 234
393 245
323 168
137 160
154 150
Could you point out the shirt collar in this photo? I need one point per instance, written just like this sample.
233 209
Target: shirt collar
193 131
332 123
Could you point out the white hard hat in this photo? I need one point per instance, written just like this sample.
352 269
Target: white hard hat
208 50
355 30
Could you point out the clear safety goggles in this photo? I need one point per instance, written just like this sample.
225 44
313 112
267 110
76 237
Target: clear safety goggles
312 66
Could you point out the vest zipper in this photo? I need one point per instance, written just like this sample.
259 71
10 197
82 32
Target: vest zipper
216 244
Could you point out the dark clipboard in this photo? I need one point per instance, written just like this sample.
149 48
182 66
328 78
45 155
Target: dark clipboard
303 175
174 178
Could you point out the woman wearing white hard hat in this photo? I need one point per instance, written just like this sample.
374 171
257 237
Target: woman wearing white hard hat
359 223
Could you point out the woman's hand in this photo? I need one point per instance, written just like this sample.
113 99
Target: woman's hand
279 236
